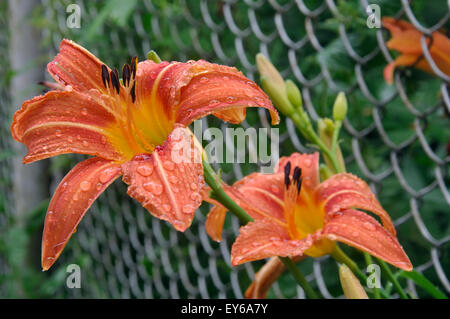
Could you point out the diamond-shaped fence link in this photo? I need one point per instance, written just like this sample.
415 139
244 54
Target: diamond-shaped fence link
395 138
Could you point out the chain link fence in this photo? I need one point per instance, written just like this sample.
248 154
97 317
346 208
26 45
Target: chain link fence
396 137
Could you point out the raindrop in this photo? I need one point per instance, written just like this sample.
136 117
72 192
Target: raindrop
154 188
203 79
169 165
145 170
194 186
84 111
58 133
85 143
369 226
167 207
187 209
85 185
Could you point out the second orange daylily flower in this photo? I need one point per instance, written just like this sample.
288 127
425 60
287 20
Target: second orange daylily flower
295 215
131 127
406 40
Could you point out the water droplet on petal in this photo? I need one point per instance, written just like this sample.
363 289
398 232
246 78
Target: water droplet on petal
85 185
85 143
369 226
167 207
58 133
188 209
153 187
194 186
84 111
203 79
170 166
173 179
145 170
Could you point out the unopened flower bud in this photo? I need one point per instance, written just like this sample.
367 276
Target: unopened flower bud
293 94
350 284
267 70
340 107
153 56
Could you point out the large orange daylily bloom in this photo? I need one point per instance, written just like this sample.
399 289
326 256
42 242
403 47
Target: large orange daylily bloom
406 40
132 128
295 215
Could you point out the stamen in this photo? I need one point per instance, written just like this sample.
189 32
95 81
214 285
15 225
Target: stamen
287 171
296 177
105 76
133 92
115 80
134 66
299 185
126 73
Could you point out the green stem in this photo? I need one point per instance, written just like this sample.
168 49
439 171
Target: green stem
392 278
298 276
218 193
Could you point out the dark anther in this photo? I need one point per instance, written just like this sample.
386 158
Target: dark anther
299 185
287 171
126 73
105 76
297 173
133 92
133 66
115 80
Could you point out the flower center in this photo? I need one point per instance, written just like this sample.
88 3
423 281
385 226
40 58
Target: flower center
137 133
303 216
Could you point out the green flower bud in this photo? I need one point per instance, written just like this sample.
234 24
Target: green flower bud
350 284
153 56
340 107
278 97
267 70
293 94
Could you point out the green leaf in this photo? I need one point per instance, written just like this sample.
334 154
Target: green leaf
423 282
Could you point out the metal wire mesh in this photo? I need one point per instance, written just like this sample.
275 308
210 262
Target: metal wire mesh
134 255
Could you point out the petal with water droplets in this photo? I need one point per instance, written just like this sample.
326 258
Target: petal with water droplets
77 67
61 122
262 239
169 181
260 195
72 198
344 191
360 230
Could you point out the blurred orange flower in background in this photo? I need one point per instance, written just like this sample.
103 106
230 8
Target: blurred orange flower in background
131 126
295 215
405 38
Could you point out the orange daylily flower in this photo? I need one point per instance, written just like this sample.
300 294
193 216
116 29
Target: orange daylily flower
131 127
406 40
295 215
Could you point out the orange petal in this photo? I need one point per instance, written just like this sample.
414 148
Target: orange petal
214 222
73 197
207 88
396 26
77 67
266 276
407 42
64 122
309 163
262 239
359 230
260 195
345 191
168 188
